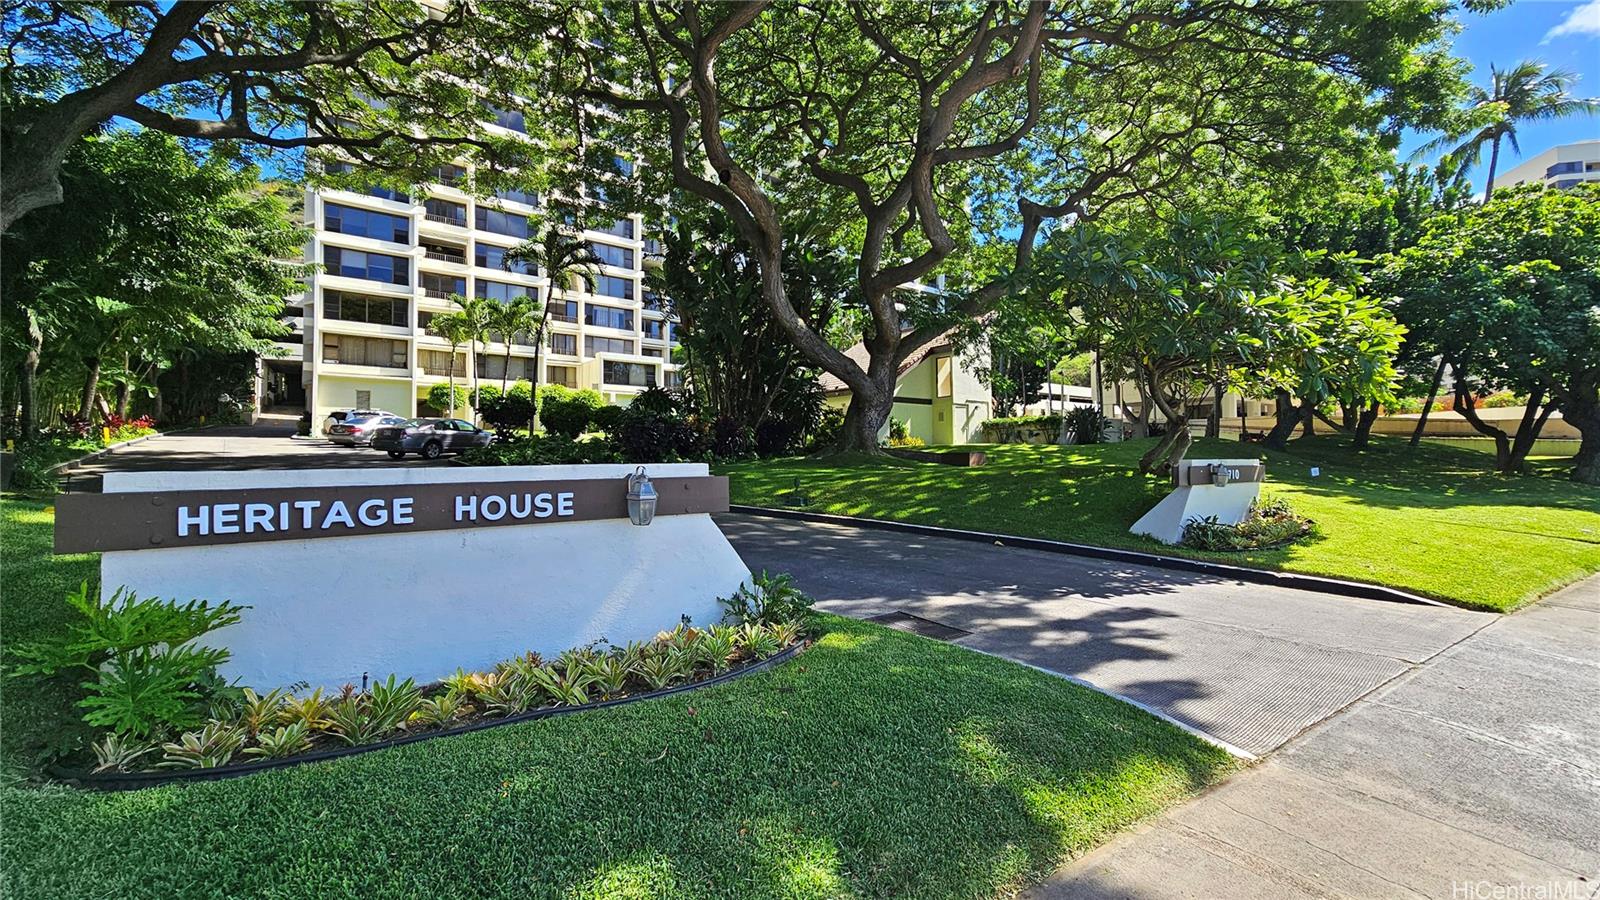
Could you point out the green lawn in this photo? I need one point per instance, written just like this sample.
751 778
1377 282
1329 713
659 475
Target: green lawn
875 764
1433 520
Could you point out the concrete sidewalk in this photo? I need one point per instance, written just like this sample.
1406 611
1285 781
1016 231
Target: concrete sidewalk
1476 775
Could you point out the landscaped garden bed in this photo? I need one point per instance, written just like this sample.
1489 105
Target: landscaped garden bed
152 685
1270 525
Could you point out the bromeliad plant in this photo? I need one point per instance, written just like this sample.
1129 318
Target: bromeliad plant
767 600
251 726
146 676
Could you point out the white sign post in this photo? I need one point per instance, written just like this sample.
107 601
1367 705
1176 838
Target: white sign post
498 572
1225 488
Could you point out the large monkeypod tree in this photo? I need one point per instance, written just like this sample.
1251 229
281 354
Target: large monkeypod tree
1507 292
933 130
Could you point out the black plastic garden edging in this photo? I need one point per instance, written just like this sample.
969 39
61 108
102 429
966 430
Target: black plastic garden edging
1319 583
127 781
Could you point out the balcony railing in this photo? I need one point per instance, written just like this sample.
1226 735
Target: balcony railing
459 259
443 370
446 220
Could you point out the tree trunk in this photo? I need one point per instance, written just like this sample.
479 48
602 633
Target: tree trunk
1368 415
1288 418
1347 415
28 418
1308 415
91 385
1464 404
1584 415
1494 161
862 420
1214 420
1534 415
1433 394
125 387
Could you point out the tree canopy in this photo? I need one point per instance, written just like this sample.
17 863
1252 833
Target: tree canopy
1506 291
153 255
928 129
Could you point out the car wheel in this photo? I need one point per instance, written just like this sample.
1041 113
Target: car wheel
432 450
397 454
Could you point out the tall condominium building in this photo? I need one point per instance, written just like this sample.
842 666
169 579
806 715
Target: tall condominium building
1562 166
389 263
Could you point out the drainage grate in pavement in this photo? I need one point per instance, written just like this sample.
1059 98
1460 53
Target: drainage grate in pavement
905 621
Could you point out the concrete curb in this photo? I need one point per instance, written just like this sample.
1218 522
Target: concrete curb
1318 583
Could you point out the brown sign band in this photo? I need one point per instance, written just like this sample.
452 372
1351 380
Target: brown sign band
1200 474
153 520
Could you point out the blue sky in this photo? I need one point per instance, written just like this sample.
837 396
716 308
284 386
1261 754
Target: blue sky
1563 34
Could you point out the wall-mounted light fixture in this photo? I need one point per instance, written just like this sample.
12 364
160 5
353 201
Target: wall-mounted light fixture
641 498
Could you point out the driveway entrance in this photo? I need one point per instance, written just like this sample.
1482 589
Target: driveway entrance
269 444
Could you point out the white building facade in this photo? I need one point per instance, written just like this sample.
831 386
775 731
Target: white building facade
389 262
1561 166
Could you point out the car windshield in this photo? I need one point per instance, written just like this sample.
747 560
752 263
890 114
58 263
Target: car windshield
418 423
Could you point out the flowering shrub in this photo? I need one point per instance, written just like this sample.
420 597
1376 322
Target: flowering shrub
128 429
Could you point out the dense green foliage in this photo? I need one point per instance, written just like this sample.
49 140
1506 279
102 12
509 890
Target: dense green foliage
1389 514
1506 293
566 412
155 262
877 763
146 675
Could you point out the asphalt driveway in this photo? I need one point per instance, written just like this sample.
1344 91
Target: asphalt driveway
1249 665
270 445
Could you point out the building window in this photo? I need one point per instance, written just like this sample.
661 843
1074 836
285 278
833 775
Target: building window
449 174
620 257
489 256
1563 168
442 286
509 118
593 345
499 221
653 302
1565 183
628 374
562 375
493 365
339 167
437 362
445 211
610 286
655 329
622 228
565 344
674 380
564 311
363 351
608 316
363 399
499 291
366 223
946 376
652 352
372 266
518 195
357 308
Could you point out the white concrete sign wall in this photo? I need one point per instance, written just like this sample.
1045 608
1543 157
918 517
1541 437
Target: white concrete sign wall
1230 503
419 604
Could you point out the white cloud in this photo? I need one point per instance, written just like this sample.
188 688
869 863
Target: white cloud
1583 20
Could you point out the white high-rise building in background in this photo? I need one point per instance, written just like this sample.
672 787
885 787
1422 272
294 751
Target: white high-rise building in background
388 264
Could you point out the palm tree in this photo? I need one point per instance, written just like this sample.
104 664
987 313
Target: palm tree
1526 92
520 316
478 313
562 257
457 329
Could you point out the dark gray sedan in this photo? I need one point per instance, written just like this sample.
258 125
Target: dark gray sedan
430 438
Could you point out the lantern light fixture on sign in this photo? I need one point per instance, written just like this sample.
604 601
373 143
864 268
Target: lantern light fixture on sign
641 498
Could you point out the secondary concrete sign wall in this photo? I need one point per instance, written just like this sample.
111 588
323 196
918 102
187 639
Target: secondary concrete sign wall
333 600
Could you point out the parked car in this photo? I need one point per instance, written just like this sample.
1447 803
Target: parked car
430 438
339 415
356 431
